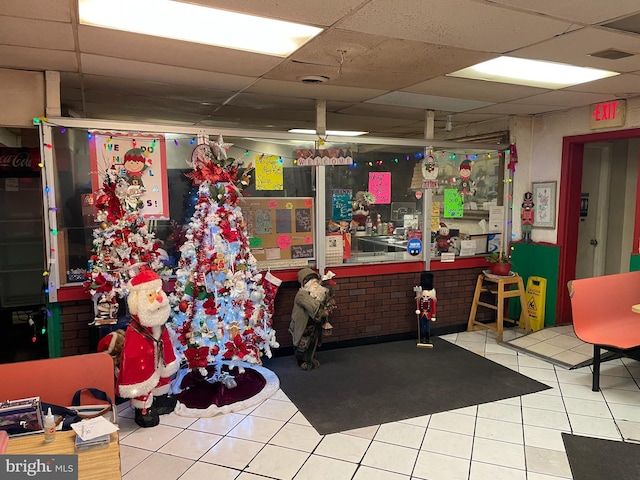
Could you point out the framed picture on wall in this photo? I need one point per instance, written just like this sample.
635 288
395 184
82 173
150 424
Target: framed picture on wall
544 204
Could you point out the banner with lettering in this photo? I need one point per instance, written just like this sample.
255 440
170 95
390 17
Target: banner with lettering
269 173
141 161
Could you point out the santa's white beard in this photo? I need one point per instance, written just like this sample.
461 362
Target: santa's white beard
155 313
316 290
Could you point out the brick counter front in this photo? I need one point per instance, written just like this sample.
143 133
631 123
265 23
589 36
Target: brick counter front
368 307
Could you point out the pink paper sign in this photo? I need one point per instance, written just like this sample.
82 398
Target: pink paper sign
380 186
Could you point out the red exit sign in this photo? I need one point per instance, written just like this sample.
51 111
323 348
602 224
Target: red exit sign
608 114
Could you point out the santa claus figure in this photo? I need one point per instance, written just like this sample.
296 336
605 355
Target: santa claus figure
148 359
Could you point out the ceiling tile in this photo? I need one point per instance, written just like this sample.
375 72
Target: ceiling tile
164 51
574 48
37 59
54 10
583 11
36 33
473 89
474 25
320 92
564 98
116 67
372 109
430 102
624 85
518 109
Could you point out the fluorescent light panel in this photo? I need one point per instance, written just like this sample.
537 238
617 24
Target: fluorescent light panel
195 23
337 133
532 73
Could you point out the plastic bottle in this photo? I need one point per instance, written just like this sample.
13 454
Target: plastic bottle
49 427
368 226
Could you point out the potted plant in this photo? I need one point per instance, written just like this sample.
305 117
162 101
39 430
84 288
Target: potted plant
499 263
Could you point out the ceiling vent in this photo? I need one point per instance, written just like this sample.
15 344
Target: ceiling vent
611 54
628 24
313 79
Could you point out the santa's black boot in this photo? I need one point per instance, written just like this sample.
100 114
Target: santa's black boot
147 417
164 404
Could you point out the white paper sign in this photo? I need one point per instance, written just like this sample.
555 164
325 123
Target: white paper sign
496 219
448 257
467 248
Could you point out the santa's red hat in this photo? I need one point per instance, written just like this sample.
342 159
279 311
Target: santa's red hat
107 343
145 280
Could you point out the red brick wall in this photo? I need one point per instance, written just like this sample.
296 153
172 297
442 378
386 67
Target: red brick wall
370 306
75 320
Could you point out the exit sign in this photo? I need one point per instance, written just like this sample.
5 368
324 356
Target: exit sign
608 114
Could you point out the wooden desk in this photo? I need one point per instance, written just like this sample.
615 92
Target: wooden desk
95 464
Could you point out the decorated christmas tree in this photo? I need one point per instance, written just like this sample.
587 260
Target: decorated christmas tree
220 310
121 243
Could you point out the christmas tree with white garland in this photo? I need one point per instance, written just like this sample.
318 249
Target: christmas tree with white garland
219 306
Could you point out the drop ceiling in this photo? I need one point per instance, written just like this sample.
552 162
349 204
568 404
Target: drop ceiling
386 62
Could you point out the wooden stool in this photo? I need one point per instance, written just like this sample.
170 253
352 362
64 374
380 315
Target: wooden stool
502 288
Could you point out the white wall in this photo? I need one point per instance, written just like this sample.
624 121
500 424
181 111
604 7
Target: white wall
539 144
22 97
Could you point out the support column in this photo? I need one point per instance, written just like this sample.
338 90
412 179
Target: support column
52 94
321 131
427 200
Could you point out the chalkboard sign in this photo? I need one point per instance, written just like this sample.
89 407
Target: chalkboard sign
341 205
282 230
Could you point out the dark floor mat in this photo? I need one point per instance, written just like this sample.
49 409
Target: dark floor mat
386 382
598 459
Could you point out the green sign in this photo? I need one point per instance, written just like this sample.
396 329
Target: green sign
453 203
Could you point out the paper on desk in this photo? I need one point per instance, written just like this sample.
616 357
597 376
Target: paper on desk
93 427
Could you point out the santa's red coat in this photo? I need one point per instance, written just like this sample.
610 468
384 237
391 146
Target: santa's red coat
145 362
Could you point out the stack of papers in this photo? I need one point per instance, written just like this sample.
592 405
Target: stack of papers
93 432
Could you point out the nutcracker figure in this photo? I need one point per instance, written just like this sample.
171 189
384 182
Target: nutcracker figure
425 308
526 216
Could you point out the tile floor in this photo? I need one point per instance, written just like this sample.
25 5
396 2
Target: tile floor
559 345
515 439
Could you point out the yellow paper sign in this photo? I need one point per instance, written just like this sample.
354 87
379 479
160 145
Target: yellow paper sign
269 173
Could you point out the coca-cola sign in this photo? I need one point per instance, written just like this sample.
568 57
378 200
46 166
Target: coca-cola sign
19 161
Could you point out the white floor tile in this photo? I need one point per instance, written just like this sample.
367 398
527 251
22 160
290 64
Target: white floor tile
498 430
545 418
630 430
368 473
541 437
323 468
541 374
390 457
625 412
402 434
505 454
232 452
566 342
343 447
496 411
131 456
453 422
484 471
200 470
548 462
365 432
299 419
275 409
594 427
592 408
533 362
151 438
434 466
190 444
422 421
502 359
277 462
297 437
545 402
448 443
159 465
623 397
570 390
256 428
174 420
220 424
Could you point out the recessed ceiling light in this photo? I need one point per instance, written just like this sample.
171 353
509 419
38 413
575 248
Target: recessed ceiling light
337 133
195 23
532 73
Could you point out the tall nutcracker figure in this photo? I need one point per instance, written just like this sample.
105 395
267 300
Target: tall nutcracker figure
526 216
425 308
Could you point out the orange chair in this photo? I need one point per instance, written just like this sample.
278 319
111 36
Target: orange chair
602 310
55 380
